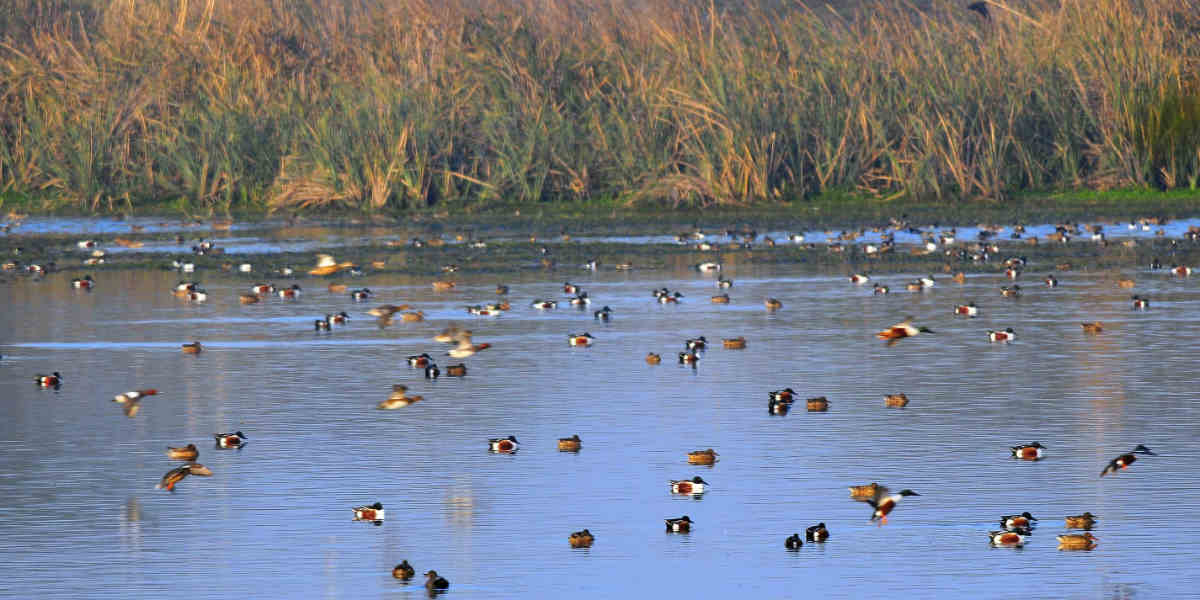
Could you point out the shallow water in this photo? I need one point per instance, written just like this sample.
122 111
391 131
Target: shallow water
81 516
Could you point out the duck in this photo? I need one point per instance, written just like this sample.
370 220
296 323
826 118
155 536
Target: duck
433 581
544 304
1010 539
603 314
132 400
53 380
859 279
442 286
570 444
1140 303
230 440
969 309
880 290
927 282
459 370
1126 283
708 267
869 491
361 295
1021 521
452 335
339 319
403 571
420 361
386 310
432 371
580 339
672 298
885 506
262 289
793 542
688 358
1051 281
249 298
398 399
581 300
192 348
1181 271
188 453
290 293
1005 336
570 289
504 445
1123 461
581 539
1092 328
895 400
369 512
959 277
692 486
84 283
1085 521
720 299
702 457
177 474
197 295
697 343
466 349
412 316
786 395
1012 272
1076 541
1031 451
914 286
778 407
737 343
818 404
817 533
681 524
772 304
724 283
1010 292
322 324
901 330
653 359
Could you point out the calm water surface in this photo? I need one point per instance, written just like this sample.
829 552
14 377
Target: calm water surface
80 515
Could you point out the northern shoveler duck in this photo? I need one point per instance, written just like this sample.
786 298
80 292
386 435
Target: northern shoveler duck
188 453
1076 541
466 349
403 571
817 533
819 404
1010 292
132 400
370 512
84 283
653 359
1123 461
1181 271
398 399
697 343
442 286
785 395
1051 281
386 310
503 445
603 314
570 444
1125 283
570 289
581 300
1140 303
544 304
248 298
720 299
339 319
1085 521
177 474
433 581
1021 521
880 290
1092 328
708 267
432 372
261 289
581 539
692 486
361 295
1032 451
702 457
885 505
793 542
688 358
230 440
53 380
737 343
192 348
672 298
772 304
680 524
895 400
322 324
969 309
724 283
1012 272
459 370
914 286
778 407
290 293
1009 539
869 491
1005 336
859 279
901 330
420 361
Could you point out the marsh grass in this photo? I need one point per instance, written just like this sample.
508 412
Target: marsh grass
466 105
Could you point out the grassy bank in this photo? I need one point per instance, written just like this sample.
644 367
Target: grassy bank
478 106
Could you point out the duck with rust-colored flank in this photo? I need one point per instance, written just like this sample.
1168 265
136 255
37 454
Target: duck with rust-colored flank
785 395
969 309
1092 328
895 400
884 506
290 293
1031 451
177 474
1010 292
901 330
653 359
1085 521
1140 303
459 370
737 343
679 525
793 542
433 581
570 289
1077 541
189 453
53 380
84 283
1002 337
689 358
691 487
859 278
570 444
1008 539
773 304
544 304
339 319
132 400
672 298
1051 281
403 571
399 398
420 361
192 348
506 445
1021 521
262 289
817 533
230 440
697 343
1181 271
432 372
1123 461
1125 283
818 404
361 295
959 277
580 339
369 512
702 457
581 539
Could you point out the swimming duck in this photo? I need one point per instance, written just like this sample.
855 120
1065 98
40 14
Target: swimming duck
261 289
1085 521
1012 272
724 283
603 314
1140 303
132 400
1181 271
1033 451
570 289
859 279
895 400
708 267
580 339
339 319
1009 539
86 244
1021 521
1125 283
1005 336
1123 461
778 407
1051 281
869 491
1076 541
570 444
901 330
459 370
503 445
403 571
772 304
84 283
53 380
737 343
653 359
361 295
884 506
819 404
370 512
322 324
188 453
969 309
420 361
230 440
398 399
442 286
697 343
1092 328
914 286
433 581
681 524
581 539
1010 292
192 348
793 542
544 304
581 300
290 293
880 290
817 533
785 395
249 298
702 457
432 371
177 474
695 485
688 358
672 298
197 295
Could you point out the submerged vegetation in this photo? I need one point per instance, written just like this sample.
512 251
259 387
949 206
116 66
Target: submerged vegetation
465 105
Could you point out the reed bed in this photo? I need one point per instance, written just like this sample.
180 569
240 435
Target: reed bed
467 105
